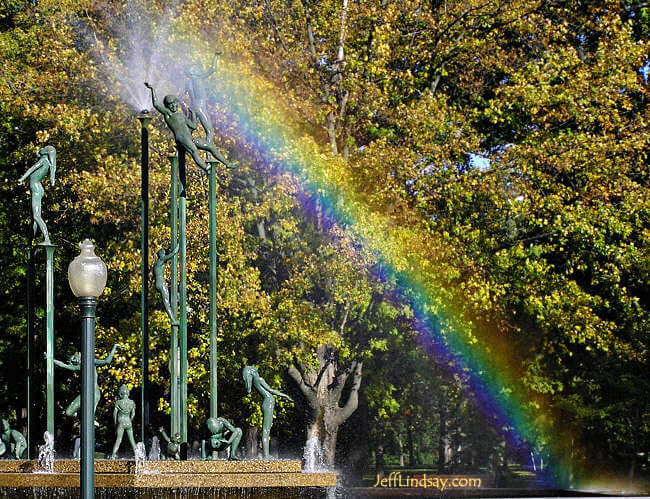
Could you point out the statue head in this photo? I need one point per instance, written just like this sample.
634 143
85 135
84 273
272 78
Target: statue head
5 425
212 425
171 102
123 391
75 358
248 372
176 438
161 253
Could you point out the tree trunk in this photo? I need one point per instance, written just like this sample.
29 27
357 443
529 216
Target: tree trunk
401 450
322 387
444 443
411 447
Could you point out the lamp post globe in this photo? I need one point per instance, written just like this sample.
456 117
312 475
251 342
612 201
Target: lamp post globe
87 277
87 272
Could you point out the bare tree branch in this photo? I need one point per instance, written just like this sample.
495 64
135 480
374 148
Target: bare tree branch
306 390
353 399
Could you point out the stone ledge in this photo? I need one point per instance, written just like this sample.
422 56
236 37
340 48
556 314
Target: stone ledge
172 480
195 467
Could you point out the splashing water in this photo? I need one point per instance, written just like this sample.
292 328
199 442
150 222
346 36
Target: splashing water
154 453
140 457
77 448
150 56
313 456
46 453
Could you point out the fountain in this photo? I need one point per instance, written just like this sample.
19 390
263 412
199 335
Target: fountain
313 459
140 458
154 452
46 453
160 478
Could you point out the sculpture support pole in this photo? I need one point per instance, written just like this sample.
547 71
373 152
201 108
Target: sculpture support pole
212 204
88 306
144 119
30 345
49 328
173 291
183 292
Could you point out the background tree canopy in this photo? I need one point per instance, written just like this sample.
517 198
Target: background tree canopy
494 152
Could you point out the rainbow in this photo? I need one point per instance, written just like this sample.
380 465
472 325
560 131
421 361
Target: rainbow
440 335
249 107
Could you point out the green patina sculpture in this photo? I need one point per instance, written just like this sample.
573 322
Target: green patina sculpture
46 164
161 284
222 435
196 88
75 365
12 440
182 126
173 448
123 415
252 378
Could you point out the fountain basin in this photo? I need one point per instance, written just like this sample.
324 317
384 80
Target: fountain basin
168 475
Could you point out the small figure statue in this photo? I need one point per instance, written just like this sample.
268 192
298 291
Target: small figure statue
222 435
45 164
198 93
180 126
75 365
161 285
122 417
173 445
252 378
13 441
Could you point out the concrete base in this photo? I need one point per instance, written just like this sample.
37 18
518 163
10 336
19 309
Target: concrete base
168 475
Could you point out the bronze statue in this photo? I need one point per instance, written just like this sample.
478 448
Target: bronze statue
13 441
161 285
252 378
222 435
173 449
198 93
122 417
75 365
45 164
180 126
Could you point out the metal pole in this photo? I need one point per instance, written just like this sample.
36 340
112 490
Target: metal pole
212 204
49 311
30 346
173 351
183 291
144 119
87 306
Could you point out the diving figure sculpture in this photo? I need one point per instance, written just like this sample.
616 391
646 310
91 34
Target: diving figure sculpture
182 126
45 164
161 285
196 88
222 435
75 365
252 379
123 415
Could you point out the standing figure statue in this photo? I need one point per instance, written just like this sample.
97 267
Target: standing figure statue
180 126
173 448
122 417
75 365
13 441
161 285
252 378
196 88
222 435
46 164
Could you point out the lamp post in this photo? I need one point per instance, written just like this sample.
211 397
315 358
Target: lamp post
87 278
